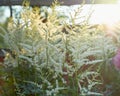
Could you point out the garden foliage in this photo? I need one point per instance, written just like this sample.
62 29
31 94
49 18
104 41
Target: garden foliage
53 58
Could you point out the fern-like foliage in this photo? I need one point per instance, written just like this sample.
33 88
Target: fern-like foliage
53 58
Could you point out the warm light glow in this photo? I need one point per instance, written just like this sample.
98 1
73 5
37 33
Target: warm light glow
118 2
106 14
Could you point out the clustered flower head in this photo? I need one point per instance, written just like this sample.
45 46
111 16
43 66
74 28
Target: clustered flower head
116 60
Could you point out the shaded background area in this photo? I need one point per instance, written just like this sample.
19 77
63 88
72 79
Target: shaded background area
49 2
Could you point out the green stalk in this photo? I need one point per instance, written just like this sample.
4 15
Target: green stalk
47 53
76 84
34 63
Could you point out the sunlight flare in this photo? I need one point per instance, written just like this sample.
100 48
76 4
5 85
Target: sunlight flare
105 14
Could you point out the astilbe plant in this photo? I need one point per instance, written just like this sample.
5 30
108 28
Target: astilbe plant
47 61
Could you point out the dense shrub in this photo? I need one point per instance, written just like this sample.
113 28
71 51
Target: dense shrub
47 61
